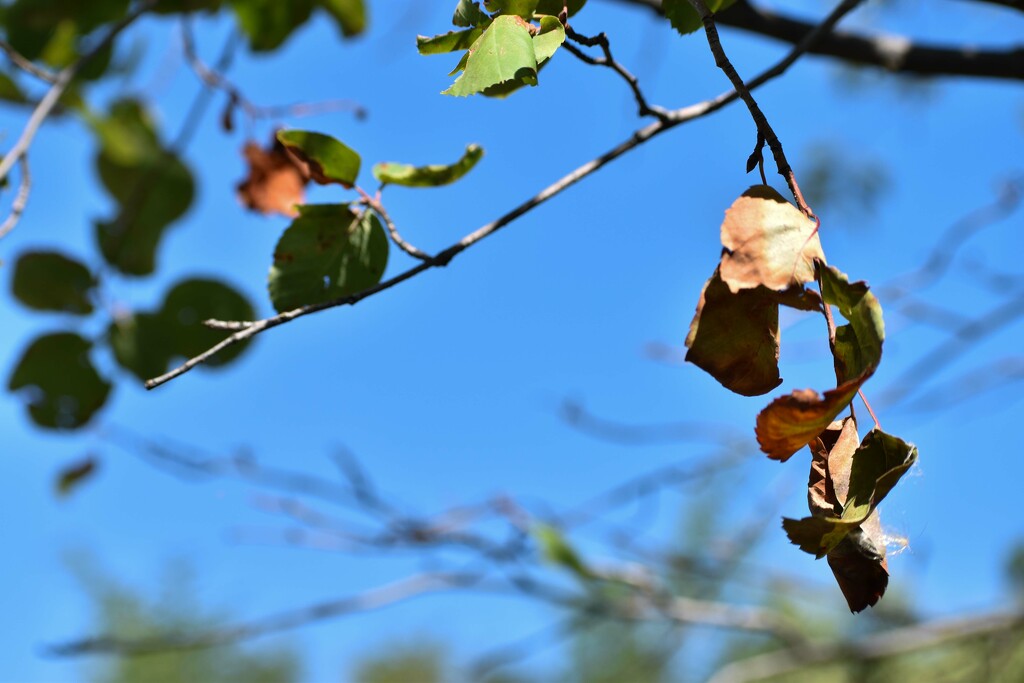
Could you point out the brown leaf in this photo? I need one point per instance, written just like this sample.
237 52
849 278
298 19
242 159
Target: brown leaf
734 337
791 422
832 454
768 242
276 180
75 474
859 565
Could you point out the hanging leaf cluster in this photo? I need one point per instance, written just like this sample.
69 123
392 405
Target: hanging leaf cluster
771 252
504 44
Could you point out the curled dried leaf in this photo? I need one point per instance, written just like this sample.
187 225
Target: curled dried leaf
276 181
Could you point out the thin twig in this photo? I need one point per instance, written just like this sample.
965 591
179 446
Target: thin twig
20 200
601 40
760 120
214 78
871 412
60 84
248 329
27 65
374 205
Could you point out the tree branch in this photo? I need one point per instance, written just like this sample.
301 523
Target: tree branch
247 330
363 602
60 85
893 53
888 644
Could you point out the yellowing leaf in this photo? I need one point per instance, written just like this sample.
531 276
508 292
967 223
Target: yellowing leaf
768 242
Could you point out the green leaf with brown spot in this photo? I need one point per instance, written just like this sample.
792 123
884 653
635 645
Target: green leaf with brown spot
329 251
329 160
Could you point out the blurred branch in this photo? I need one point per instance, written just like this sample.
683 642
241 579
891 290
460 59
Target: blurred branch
247 330
880 646
60 84
601 40
25 64
578 417
373 599
893 53
214 78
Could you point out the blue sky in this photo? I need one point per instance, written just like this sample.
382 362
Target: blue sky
447 388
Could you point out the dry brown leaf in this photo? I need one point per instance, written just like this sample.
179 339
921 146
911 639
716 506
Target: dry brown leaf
276 180
832 453
768 242
734 337
792 421
859 565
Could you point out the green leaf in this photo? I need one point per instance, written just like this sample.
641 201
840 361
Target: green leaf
503 53
327 252
187 6
48 281
448 42
50 30
191 302
428 176
141 344
60 386
859 344
330 160
268 23
350 15
151 185
878 464
146 344
520 8
554 7
549 39
556 549
74 475
684 18
468 13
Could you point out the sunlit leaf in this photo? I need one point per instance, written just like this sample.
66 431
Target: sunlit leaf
504 52
48 281
58 382
548 39
428 176
327 252
448 42
329 160
858 344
